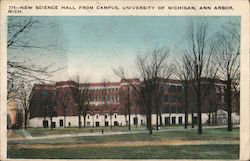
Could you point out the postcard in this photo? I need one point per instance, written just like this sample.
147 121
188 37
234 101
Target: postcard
125 80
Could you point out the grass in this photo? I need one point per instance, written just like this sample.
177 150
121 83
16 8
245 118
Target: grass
208 134
229 151
47 131
219 144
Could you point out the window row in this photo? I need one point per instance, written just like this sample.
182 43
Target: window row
105 116
173 109
173 99
173 88
108 98
103 90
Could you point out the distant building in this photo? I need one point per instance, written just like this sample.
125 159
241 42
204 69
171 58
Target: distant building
108 104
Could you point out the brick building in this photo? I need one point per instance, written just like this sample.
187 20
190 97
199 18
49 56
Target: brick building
108 104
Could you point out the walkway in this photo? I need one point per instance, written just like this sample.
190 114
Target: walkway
29 137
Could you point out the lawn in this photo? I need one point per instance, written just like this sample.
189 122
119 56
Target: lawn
212 144
228 151
46 131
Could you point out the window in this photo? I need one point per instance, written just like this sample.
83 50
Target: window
106 116
167 88
61 123
166 109
179 89
116 123
180 109
166 98
180 120
173 99
173 109
45 124
179 99
54 113
88 116
135 121
173 120
53 124
44 93
115 116
167 120
222 99
97 116
217 89
173 88
88 123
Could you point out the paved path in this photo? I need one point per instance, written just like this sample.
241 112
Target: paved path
29 137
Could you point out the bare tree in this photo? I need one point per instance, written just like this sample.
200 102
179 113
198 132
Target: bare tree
24 95
158 99
19 116
127 103
63 98
82 96
20 32
198 58
152 68
228 59
108 105
48 104
183 73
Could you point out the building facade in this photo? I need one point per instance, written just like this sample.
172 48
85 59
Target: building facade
111 104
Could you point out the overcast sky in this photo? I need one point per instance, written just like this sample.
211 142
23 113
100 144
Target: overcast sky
91 45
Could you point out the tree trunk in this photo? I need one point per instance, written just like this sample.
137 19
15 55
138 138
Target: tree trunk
229 105
25 118
186 103
126 121
209 118
198 104
50 122
215 114
44 117
157 121
192 118
79 121
150 124
84 120
129 121
129 111
147 121
64 120
160 119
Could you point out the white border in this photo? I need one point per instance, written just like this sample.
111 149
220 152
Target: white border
241 8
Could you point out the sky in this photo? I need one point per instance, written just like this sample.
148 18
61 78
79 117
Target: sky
90 46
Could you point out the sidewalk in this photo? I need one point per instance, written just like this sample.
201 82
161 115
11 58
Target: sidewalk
29 137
